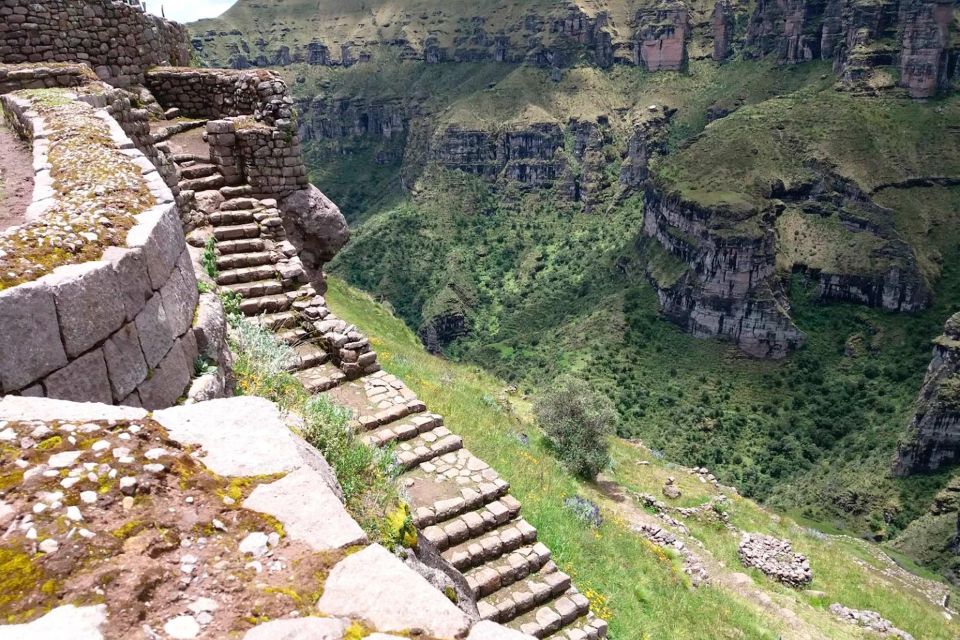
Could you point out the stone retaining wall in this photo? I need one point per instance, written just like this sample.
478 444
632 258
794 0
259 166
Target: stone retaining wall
14 77
119 41
114 330
221 93
265 157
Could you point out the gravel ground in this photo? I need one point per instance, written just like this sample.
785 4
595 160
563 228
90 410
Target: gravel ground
16 177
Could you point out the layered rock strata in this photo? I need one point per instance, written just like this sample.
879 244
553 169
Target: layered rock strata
118 40
932 441
722 283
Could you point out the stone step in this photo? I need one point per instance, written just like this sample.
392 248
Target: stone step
309 355
203 184
198 170
256 288
470 524
426 447
239 191
241 203
243 245
586 627
403 430
252 259
265 304
182 158
227 218
322 377
276 321
471 498
236 232
507 569
294 336
392 414
551 617
491 545
247 274
505 605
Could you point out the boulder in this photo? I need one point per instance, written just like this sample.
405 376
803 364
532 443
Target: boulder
68 621
316 228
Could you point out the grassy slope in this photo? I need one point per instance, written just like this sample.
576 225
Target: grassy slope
643 592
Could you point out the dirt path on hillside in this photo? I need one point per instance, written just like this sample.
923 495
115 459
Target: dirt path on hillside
16 178
740 584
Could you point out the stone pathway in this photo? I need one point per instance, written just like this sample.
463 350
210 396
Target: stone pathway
459 503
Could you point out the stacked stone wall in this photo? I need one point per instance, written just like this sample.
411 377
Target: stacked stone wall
118 40
265 157
25 76
221 93
117 330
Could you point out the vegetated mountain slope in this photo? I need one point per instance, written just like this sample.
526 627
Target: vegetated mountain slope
505 209
641 588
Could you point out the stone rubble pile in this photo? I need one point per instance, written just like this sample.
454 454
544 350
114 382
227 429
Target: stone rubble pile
868 619
692 564
775 558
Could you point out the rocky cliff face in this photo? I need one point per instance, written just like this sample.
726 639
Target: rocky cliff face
727 287
723 21
924 45
661 37
933 438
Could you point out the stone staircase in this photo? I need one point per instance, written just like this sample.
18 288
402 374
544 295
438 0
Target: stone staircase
459 504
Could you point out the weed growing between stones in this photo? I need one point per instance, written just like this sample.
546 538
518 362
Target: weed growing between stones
209 258
366 475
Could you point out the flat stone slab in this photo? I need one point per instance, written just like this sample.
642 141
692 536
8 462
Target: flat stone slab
75 623
242 436
297 629
487 630
376 587
308 509
46 410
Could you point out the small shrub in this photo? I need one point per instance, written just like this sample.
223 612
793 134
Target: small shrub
577 420
586 511
202 366
209 258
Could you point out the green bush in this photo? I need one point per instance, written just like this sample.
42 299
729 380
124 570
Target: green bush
577 421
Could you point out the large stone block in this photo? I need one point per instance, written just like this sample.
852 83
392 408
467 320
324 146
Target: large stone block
159 233
210 328
89 304
30 345
156 337
83 380
126 365
180 295
168 381
131 269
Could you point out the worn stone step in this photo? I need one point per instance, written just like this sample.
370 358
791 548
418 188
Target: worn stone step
203 184
467 524
276 321
507 569
491 545
586 627
183 158
243 245
241 203
391 414
403 430
247 274
238 260
426 447
227 218
256 289
322 377
309 355
525 595
472 498
197 170
294 336
236 232
265 304
553 616
238 191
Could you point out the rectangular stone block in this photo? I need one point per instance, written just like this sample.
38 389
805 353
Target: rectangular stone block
89 304
159 233
168 381
135 286
83 380
180 295
30 345
156 337
126 365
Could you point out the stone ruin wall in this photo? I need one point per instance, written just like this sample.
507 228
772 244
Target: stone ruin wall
115 330
117 40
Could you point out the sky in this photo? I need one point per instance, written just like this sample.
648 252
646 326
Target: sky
189 10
